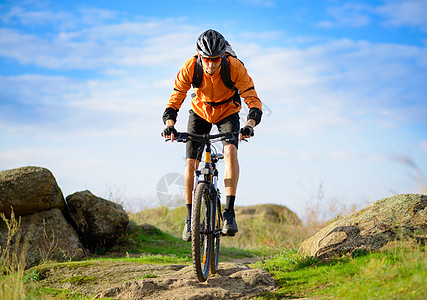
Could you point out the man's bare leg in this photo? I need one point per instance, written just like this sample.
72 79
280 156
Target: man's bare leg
190 167
231 172
231 178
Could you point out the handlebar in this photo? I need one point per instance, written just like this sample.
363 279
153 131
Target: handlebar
184 137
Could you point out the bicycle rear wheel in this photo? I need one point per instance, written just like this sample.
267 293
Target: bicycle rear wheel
201 240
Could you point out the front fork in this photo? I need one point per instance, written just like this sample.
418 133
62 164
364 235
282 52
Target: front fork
214 193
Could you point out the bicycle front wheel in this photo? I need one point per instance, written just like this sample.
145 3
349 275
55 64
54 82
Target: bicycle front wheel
216 233
201 236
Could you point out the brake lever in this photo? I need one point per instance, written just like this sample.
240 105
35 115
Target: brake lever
181 140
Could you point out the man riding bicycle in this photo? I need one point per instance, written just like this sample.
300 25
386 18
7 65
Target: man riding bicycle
216 101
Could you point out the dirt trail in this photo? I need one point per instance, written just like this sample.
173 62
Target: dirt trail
132 281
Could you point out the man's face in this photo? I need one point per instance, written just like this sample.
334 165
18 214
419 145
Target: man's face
211 64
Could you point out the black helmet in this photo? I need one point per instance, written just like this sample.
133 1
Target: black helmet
211 43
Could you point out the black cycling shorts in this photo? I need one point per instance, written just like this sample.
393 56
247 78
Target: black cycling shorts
198 125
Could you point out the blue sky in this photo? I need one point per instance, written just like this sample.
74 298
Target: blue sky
83 85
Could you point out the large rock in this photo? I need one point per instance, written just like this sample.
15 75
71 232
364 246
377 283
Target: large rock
29 190
42 236
388 219
99 222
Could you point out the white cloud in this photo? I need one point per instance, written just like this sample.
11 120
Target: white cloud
19 157
320 96
313 155
346 78
114 107
266 3
332 84
266 35
35 14
347 15
423 146
33 18
344 155
395 13
40 89
325 24
98 39
405 13
79 51
92 16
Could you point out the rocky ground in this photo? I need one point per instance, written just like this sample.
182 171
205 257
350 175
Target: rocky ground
129 280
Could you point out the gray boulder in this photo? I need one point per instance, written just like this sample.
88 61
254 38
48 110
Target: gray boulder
29 190
98 222
43 236
388 219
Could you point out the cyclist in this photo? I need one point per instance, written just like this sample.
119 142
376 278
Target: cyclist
213 103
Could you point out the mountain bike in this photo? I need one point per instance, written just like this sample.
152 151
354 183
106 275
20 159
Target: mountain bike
206 219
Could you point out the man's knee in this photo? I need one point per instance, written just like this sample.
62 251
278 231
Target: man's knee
230 149
191 164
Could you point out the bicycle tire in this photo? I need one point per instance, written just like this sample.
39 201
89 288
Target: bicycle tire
201 241
217 235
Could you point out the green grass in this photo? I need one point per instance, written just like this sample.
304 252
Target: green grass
156 259
399 272
149 239
148 244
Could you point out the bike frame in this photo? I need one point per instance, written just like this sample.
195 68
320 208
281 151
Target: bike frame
209 171
207 178
210 176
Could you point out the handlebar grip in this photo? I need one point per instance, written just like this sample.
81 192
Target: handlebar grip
180 137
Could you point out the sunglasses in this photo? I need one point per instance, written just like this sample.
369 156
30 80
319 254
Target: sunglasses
214 59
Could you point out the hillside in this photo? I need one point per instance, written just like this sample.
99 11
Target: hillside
131 272
265 227
150 263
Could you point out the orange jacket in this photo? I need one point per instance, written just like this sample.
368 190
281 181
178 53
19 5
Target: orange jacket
212 89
